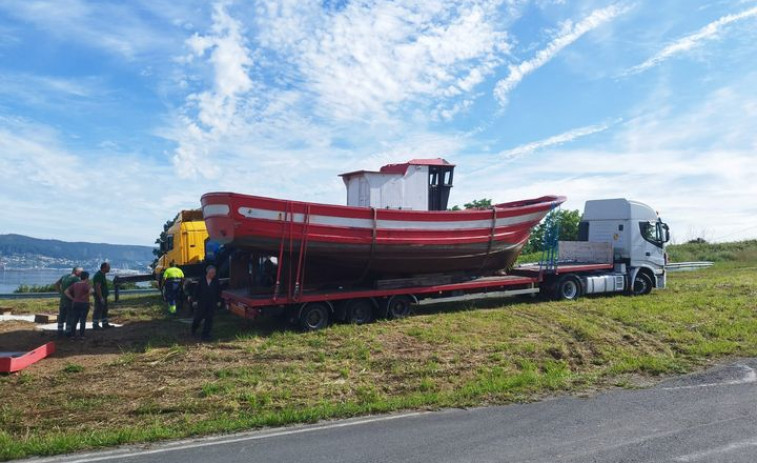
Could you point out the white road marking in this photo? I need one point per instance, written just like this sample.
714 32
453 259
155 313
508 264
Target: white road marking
720 450
750 376
211 441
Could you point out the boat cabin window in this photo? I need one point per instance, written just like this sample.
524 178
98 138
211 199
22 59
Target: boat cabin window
439 186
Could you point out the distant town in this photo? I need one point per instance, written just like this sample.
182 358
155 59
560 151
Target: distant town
24 252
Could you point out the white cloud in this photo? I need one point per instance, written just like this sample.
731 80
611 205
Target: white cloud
50 191
697 167
49 91
212 113
569 33
371 57
117 28
282 94
555 140
691 41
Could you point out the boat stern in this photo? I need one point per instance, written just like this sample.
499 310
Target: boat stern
218 210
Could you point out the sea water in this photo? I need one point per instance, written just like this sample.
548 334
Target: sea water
11 278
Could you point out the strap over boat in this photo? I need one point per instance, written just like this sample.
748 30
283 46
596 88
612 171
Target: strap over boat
492 233
374 233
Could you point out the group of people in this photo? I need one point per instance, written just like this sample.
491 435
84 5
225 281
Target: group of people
76 290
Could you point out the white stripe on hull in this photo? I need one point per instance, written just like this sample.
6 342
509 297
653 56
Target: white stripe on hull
350 222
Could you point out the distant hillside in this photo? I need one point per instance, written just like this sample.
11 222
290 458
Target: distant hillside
23 250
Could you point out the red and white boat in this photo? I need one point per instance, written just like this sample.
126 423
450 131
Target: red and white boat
382 232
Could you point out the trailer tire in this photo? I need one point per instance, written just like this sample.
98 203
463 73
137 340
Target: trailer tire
314 316
359 311
642 285
399 306
567 288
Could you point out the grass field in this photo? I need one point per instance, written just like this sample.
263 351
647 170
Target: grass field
149 380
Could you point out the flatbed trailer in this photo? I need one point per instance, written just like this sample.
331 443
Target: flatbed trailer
313 310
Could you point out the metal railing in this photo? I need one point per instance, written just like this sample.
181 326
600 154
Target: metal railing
687 266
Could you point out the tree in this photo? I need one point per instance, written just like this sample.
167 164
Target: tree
568 221
475 204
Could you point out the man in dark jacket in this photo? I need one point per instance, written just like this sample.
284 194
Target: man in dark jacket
207 297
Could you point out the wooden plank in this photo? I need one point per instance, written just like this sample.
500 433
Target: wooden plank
424 280
45 318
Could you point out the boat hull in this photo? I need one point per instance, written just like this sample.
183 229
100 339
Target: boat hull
388 243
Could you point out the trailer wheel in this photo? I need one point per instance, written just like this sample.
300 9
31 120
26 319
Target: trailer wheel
642 285
567 288
314 316
359 311
399 306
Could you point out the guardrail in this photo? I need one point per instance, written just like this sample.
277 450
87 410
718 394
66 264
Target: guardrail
687 266
55 295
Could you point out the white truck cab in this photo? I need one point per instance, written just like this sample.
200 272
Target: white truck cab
637 235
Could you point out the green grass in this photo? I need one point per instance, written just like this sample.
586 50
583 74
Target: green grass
494 352
739 251
35 289
73 368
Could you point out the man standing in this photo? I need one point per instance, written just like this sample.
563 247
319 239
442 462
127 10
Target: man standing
207 295
100 315
64 306
78 293
173 279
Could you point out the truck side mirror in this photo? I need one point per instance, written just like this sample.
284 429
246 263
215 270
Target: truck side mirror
665 233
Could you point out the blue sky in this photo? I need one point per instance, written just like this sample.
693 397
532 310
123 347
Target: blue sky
115 115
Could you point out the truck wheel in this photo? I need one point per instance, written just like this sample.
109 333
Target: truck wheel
642 285
359 311
399 306
314 316
567 288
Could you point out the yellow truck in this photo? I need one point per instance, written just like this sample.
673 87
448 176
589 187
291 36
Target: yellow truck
186 245
185 242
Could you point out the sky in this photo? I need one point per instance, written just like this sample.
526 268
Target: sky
116 115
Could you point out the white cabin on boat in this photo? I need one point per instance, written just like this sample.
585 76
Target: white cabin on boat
419 184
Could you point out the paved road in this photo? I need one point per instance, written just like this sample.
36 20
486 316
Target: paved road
710 417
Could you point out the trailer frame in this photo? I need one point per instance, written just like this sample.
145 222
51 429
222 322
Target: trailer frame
530 279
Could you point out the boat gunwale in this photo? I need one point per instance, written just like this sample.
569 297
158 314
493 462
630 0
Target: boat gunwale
503 210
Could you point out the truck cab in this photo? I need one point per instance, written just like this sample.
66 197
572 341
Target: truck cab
637 235
185 241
